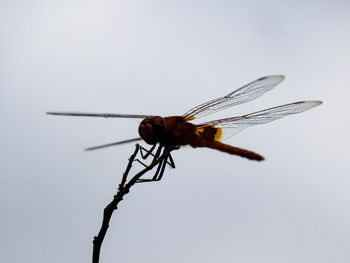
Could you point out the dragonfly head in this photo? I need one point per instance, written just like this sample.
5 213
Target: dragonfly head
152 129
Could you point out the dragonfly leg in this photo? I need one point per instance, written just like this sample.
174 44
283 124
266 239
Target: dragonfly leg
155 156
171 161
159 150
145 156
160 170
148 152
140 162
158 177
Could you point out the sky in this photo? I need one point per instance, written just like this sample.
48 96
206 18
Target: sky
163 58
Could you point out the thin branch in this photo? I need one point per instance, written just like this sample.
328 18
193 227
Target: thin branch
123 189
131 160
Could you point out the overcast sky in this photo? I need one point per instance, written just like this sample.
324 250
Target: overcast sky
165 57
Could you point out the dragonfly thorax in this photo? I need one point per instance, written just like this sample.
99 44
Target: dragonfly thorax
152 129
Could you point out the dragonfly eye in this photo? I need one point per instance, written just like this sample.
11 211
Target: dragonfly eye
152 129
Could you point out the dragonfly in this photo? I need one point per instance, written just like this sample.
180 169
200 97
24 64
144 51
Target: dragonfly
177 131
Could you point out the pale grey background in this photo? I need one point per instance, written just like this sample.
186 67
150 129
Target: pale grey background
164 57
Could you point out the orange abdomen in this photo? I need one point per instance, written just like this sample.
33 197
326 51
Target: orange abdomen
181 132
232 150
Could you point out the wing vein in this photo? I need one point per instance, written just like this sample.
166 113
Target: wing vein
233 125
244 94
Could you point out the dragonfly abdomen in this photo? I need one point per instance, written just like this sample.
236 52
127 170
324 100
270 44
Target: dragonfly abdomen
227 149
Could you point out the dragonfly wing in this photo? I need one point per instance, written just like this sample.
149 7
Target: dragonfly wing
103 115
112 144
244 94
228 127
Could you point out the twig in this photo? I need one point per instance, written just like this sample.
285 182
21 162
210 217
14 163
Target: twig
123 189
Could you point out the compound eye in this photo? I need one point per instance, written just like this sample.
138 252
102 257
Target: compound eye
147 133
152 129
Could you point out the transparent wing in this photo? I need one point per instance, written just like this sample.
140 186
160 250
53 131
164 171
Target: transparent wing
244 94
103 115
112 144
231 126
